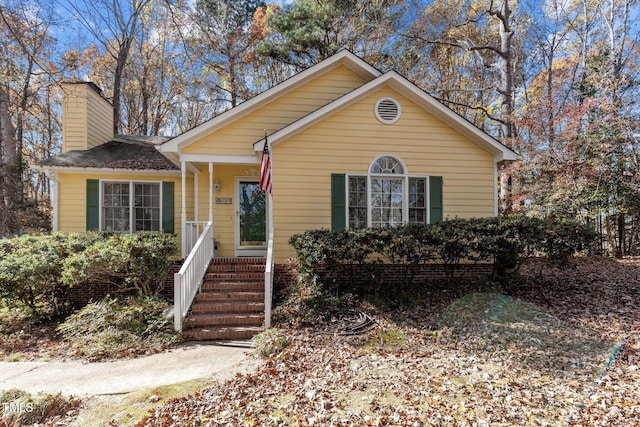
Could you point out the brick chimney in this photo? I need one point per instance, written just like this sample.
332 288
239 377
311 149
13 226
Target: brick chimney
87 116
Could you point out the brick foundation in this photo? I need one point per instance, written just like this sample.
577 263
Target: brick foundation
391 275
83 294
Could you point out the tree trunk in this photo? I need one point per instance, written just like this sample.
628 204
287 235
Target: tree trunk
10 163
506 71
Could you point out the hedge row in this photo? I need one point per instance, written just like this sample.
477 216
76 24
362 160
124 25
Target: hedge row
39 271
327 260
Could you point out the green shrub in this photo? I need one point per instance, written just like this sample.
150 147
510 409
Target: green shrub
131 262
327 262
116 327
38 271
30 269
270 342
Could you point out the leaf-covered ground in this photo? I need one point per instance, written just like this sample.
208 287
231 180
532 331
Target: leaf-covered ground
555 347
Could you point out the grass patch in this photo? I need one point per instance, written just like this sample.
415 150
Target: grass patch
21 408
113 328
270 342
492 323
389 339
126 409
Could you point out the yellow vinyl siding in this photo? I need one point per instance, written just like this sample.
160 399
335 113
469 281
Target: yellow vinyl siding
349 140
237 138
72 214
223 214
87 118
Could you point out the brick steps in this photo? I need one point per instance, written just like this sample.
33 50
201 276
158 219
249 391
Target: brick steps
222 333
224 319
230 304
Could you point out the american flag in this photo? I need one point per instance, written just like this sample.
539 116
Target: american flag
265 169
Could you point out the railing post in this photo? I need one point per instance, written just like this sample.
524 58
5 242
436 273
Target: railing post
177 301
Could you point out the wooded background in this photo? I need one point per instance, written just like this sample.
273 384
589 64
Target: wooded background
556 80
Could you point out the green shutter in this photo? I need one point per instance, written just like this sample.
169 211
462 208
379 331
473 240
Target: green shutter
338 202
435 199
167 207
93 204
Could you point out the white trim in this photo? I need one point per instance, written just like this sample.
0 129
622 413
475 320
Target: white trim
196 198
103 171
344 57
131 183
183 209
222 159
496 188
398 83
405 177
53 177
211 193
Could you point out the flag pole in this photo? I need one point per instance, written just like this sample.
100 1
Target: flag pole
266 167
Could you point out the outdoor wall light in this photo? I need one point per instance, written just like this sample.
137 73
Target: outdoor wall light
217 186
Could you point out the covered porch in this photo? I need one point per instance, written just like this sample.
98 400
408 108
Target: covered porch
224 215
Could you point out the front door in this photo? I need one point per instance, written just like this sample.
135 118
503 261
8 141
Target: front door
251 218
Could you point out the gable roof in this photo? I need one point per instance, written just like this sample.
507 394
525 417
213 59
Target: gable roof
403 86
123 152
343 57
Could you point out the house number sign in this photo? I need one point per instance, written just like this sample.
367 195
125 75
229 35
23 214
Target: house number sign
223 200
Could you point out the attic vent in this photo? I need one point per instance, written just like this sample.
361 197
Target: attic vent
387 110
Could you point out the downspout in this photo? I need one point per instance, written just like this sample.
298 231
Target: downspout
53 177
496 188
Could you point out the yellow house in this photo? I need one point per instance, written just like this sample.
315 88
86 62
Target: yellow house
349 146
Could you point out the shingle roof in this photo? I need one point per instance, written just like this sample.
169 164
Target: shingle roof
123 152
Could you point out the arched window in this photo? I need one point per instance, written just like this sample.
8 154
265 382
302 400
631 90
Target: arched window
386 186
387 196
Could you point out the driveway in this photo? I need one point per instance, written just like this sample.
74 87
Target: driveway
188 361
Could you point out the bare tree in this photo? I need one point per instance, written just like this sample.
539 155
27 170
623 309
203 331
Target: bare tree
113 24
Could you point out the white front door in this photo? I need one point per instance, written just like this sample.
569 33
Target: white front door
251 218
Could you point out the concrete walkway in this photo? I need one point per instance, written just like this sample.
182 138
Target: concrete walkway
189 361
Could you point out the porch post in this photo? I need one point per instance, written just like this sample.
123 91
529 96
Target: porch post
213 228
183 169
211 192
196 201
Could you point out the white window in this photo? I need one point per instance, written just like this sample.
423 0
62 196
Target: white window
130 207
387 196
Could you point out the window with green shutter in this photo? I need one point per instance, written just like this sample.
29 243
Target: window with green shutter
130 206
384 197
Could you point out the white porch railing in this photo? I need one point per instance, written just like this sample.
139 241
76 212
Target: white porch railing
187 281
268 282
192 232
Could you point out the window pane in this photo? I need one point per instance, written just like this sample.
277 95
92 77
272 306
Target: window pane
387 165
115 207
147 207
418 200
357 201
386 202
